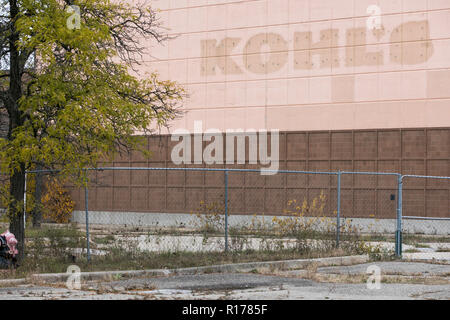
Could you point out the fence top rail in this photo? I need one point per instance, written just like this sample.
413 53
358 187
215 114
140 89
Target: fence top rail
244 170
186 169
209 169
424 177
372 173
43 171
425 218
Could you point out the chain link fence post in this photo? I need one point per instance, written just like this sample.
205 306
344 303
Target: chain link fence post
86 205
398 233
25 203
226 210
338 210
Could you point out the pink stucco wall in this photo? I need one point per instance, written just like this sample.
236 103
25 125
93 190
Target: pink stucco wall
307 64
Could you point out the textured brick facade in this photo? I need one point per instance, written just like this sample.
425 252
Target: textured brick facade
409 151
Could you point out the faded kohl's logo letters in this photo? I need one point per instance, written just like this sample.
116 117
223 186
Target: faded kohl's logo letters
269 52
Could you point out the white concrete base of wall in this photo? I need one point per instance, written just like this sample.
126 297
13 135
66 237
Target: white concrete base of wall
180 220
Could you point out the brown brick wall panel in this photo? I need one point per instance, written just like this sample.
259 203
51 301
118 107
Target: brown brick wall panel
319 180
175 178
341 145
122 177
296 165
389 145
365 144
217 179
122 156
193 198
254 180
319 146
438 168
416 167
414 183
364 203
121 198
341 165
141 177
437 203
105 178
438 143
104 199
390 182
346 179
297 194
195 178
158 147
157 200
92 196
157 178
278 180
396 151
235 179
92 177
254 200
332 202
314 196
414 144
175 199
362 180
282 147
236 202
296 180
157 164
215 195
297 146
137 156
414 203
139 199
347 203
386 208
388 166
74 193
275 201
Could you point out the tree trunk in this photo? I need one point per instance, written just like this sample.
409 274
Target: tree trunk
16 119
15 209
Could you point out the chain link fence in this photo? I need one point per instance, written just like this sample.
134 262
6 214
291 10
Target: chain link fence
426 205
219 209
369 199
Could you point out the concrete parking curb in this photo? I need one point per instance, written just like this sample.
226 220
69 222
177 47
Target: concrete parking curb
12 282
275 265
238 267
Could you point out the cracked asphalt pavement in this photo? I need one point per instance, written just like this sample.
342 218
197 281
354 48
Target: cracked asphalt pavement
294 285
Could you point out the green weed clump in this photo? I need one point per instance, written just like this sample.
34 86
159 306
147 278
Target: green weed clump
209 217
